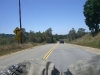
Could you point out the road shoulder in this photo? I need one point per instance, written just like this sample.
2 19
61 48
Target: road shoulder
90 49
11 54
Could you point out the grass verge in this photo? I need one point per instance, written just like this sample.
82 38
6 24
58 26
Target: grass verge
7 49
88 40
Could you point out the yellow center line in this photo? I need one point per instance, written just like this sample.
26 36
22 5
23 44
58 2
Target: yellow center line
50 51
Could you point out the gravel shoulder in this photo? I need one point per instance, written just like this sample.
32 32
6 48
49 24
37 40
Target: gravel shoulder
90 49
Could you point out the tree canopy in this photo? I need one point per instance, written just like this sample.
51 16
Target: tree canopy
92 15
34 37
73 34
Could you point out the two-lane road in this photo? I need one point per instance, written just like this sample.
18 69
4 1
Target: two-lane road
61 54
66 54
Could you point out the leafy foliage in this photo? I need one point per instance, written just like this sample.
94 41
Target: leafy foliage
92 15
34 37
72 35
80 32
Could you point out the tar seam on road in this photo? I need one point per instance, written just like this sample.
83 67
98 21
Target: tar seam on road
50 51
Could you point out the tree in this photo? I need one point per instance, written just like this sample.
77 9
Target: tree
49 36
80 32
23 30
38 37
32 36
44 37
92 15
24 35
49 32
54 40
56 36
72 34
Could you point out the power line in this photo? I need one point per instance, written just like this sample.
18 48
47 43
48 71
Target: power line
38 9
31 9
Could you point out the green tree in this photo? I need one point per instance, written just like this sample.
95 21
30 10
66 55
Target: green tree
54 40
44 37
24 35
56 36
92 15
39 37
80 32
32 36
49 32
72 34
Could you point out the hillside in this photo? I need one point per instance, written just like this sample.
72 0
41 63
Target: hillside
88 40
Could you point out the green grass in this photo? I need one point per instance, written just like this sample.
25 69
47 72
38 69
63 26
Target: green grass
88 40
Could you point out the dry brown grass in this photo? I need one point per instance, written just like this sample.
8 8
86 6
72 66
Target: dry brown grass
88 40
6 49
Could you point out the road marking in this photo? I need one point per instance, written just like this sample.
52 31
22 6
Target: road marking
50 51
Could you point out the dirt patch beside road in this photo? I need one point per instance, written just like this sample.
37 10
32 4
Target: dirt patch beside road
90 49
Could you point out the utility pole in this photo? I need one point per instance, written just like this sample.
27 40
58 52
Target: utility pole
20 20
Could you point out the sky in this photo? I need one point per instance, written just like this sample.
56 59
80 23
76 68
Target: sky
39 15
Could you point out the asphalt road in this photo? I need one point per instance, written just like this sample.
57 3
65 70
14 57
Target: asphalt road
61 54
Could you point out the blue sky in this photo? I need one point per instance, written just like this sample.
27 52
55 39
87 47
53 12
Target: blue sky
39 15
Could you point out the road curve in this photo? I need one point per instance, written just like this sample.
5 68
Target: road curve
61 54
